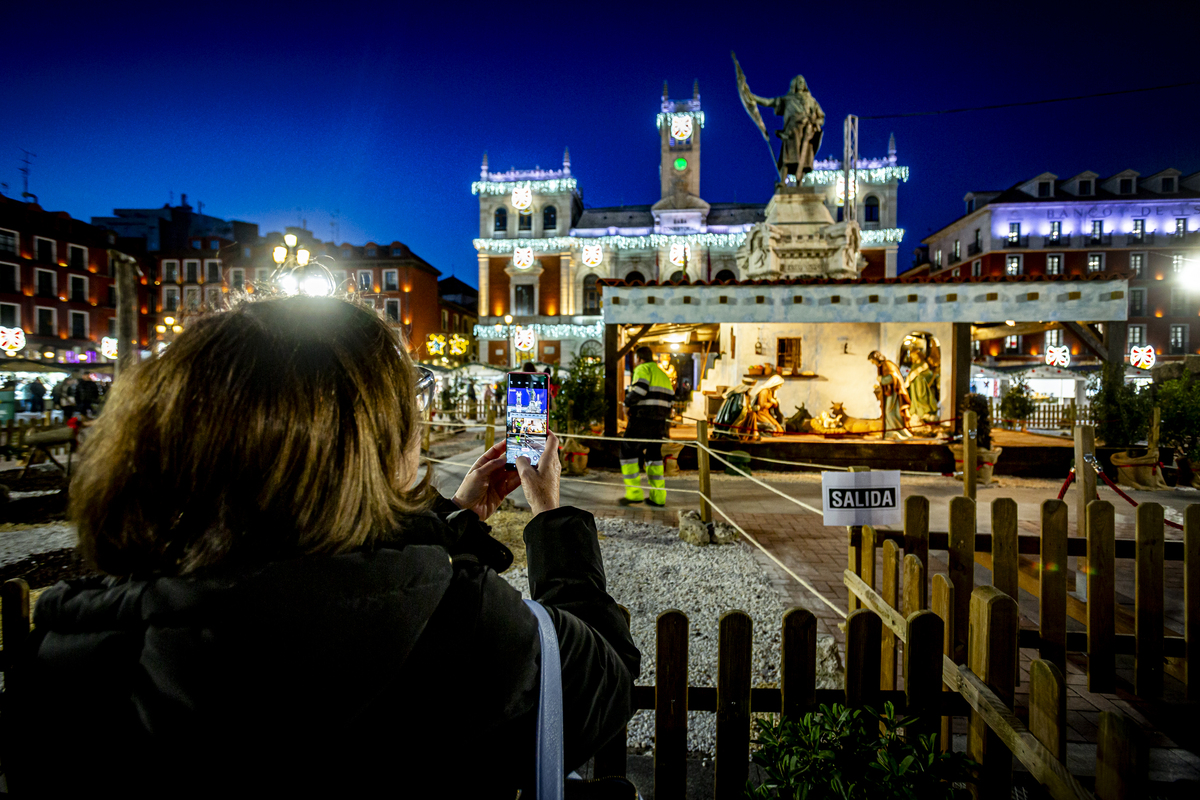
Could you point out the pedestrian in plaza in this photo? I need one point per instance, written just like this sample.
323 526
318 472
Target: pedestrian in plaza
35 390
66 397
86 394
290 608
648 402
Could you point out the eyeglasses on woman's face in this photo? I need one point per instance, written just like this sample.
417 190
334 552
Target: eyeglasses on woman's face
425 386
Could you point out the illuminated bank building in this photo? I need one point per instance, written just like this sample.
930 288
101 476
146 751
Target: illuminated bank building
541 253
1145 228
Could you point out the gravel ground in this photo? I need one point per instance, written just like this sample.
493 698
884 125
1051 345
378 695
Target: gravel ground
650 571
19 541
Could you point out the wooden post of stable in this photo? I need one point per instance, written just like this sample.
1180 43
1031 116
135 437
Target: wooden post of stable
670 706
889 590
1052 600
1148 602
970 447
864 630
1085 493
854 553
1121 758
702 464
1048 707
1101 594
1191 598
923 670
942 604
798 661
993 657
732 754
1005 560
962 569
489 432
869 546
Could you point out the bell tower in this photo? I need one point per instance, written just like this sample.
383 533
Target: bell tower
680 123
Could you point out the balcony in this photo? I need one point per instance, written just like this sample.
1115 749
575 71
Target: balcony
1175 239
1139 239
1056 240
974 249
953 259
1017 241
1103 240
79 297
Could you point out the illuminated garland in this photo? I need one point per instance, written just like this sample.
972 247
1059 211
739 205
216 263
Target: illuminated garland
665 116
874 237
881 236
554 186
824 177
545 331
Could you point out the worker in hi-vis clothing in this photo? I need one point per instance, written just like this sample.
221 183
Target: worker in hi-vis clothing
649 406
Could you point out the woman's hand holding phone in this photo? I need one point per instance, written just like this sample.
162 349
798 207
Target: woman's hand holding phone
541 482
488 482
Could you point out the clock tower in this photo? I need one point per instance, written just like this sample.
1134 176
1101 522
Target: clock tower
680 123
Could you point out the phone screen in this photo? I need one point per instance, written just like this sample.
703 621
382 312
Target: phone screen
528 418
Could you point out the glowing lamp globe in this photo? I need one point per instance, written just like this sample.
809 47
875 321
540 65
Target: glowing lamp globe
290 240
302 257
279 254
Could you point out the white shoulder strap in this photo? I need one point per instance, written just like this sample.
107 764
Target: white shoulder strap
550 710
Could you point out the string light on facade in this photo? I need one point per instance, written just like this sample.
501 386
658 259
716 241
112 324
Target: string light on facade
1142 357
551 186
664 116
681 127
681 253
877 175
435 344
593 255
522 257
653 241
12 340
522 197
1058 356
108 347
549 331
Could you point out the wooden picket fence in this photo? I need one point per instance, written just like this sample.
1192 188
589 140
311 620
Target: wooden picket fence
1047 415
14 431
983 634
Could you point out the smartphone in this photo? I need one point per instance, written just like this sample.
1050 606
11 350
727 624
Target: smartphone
528 418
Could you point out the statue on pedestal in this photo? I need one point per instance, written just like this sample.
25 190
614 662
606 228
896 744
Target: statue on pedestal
893 397
803 121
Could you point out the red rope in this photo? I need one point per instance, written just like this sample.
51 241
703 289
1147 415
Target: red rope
1131 501
1070 477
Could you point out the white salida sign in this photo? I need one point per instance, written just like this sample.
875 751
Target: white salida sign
861 498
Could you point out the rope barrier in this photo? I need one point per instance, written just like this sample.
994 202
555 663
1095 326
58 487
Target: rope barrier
1091 460
769 488
742 531
1070 477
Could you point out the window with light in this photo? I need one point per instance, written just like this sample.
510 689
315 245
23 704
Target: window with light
1054 265
1095 262
1137 335
1055 231
1179 339
1014 232
1012 265
1177 262
1012 344
1137 263
1180 226
1053 338
1097 228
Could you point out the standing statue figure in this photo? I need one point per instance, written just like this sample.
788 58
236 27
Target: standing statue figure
893 397
803 120
922 387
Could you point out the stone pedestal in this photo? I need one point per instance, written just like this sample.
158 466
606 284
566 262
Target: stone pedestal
800 238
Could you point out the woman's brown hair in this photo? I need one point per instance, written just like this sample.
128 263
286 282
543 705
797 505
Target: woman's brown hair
276 429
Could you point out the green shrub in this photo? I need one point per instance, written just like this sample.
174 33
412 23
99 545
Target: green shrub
839 753
1017 404
1179 426
1122 412
983 420
580 399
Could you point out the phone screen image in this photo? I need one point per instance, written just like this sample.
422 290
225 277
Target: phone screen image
528 417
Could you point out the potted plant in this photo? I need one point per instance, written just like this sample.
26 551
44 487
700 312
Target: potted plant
577 406
1123 414
1017 405
838 752
985 456
1179 402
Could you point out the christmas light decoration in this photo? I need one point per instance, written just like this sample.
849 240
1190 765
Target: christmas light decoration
1142 357
458 344
435 344
681 127
680 253
551 331
522 257
873 237
876 175
840 191
108 347
12 339
1058 356
522 197
524 339
665 116
881 236
551 186
593 254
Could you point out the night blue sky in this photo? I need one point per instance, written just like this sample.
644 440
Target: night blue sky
381 113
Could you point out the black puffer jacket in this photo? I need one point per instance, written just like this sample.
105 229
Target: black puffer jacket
411 669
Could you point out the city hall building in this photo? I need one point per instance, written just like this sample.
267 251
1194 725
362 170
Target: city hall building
541 253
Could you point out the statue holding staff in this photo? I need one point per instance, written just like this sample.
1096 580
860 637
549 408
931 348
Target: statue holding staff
802 123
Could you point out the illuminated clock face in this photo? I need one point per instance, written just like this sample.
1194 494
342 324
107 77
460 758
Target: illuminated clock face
680 254
593 254
681 127
681 164
1058 356
523 257
522 198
